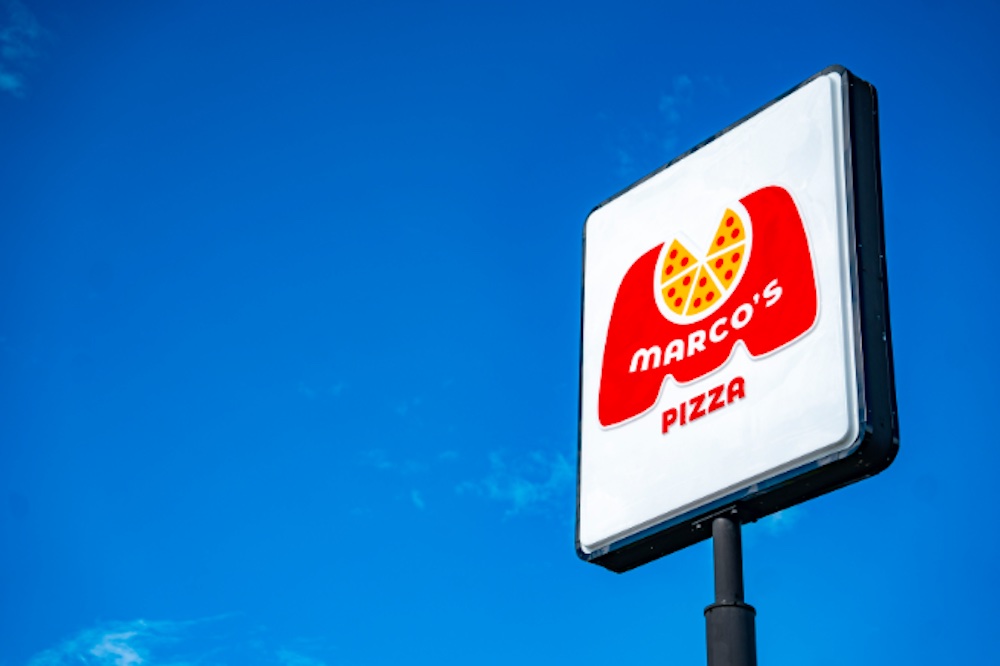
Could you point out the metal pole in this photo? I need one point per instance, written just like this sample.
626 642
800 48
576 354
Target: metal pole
729 623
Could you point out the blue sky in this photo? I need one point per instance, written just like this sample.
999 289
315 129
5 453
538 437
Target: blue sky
289 331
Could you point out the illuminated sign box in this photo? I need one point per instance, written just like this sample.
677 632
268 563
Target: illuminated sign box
736 351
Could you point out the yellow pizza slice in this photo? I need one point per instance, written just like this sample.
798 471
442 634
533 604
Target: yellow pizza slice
726 264
729 233
705 293
675 293
677 260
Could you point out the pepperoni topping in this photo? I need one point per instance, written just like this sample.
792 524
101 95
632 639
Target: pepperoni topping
725 267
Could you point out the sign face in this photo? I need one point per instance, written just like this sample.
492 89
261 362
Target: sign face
726 360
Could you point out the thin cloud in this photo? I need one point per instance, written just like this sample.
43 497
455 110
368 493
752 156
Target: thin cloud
528 483
626 165
20 38
662 136
290 658
112 644
380 460
782 521
673 105
116 647
405 407
408 471
206 642
312 394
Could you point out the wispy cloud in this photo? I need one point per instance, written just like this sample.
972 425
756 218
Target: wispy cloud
782 521
290 658
406 406
679 96
206 642
626 164
112 644
20 37
409 472
531 482
312 393
116 647
380 460
673 105
662 135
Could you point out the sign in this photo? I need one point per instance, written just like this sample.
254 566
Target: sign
736 353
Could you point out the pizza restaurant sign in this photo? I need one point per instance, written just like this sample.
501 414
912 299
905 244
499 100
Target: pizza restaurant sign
721 340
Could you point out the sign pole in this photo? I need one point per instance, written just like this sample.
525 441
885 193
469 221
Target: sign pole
729 622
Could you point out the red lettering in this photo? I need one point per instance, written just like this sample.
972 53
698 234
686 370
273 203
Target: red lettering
735 390
697 409
713 399
716 395
669 418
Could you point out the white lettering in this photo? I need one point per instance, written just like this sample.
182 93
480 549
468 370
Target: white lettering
645 355
772 292
654 357
696 342
713 333
675 352
738 321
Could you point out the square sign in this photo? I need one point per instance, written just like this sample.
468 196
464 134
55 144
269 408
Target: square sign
736 351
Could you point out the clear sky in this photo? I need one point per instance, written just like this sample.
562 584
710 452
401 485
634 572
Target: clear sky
289 331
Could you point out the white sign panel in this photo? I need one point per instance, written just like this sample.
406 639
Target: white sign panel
721 321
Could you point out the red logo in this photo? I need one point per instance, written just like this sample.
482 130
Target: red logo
680 315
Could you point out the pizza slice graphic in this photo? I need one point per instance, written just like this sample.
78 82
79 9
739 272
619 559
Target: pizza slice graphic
726 265
706 293
675 293
677 260
730 232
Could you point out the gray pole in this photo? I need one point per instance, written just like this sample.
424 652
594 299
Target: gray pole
729 623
